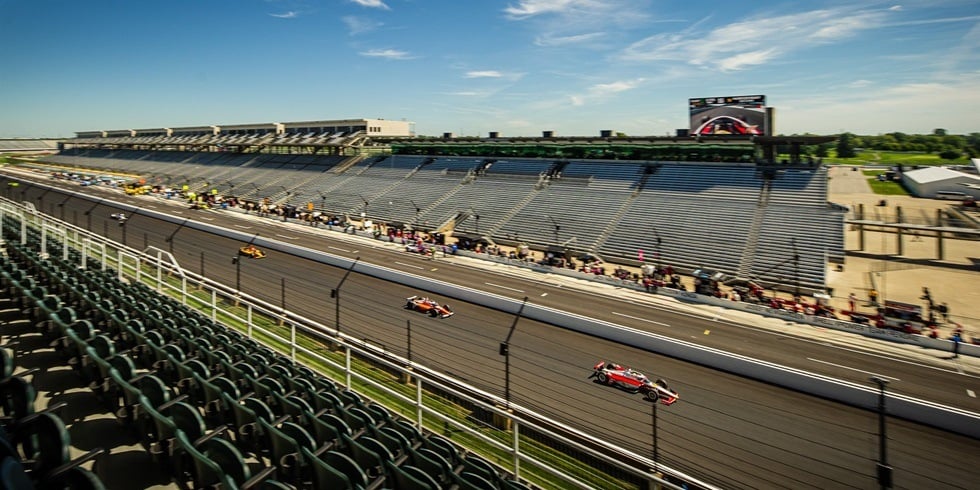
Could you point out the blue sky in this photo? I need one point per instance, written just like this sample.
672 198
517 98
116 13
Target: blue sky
473 66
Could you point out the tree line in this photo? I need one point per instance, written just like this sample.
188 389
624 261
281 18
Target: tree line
946 146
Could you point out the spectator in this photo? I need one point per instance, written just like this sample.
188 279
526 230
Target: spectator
956 338
944 311
873 297
852 301
927 297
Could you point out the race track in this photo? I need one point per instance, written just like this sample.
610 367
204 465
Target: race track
735 432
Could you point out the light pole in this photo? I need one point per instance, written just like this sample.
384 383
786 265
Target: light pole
656 459
884 470
237 260
88 213
418 210
170 239
505 351
23 190
125 220
364 212
62 205
796 270
657 236
557 229
40 199
335 294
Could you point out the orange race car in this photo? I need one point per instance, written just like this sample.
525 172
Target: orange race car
429 306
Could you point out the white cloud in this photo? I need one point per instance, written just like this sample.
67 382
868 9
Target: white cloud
860 83
483 74
751 42
601 91
357 25
910 108
391 54
895 8
530 8
552 40
372 4
743 60
286 15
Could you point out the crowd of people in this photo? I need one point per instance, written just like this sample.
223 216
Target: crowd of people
650 276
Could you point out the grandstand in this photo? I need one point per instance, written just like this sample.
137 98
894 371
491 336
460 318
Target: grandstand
705 203
28 145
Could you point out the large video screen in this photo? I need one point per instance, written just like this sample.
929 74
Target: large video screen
738 115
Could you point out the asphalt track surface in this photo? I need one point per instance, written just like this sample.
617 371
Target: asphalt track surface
728 430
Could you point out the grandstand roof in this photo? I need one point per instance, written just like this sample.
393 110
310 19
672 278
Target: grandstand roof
802 139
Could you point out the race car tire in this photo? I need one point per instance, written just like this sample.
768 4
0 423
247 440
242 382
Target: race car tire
663 384
433 313
652 395
603 378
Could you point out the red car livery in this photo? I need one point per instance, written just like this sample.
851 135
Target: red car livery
428 306
726 125
634 381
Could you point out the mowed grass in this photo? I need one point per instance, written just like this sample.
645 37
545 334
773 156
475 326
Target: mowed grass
889 188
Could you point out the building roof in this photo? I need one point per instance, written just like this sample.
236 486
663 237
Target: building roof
936 174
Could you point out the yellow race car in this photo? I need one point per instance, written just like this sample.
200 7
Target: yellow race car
251 251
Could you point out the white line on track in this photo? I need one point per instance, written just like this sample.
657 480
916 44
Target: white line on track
903 361
243 227
503 287
206 219
852 369
640 319
338 248
287 237
971 393
409 265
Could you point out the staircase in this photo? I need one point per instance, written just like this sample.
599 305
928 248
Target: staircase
611 225
513 211
752 242
350 162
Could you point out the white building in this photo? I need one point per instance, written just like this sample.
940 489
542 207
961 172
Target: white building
931 181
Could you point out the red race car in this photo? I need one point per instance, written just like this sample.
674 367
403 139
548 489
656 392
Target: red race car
634 381
429 306
727 125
